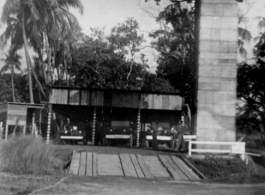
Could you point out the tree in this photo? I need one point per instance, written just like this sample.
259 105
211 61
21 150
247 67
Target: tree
39 24
244 35
251 87
126 40
97 64
5 89
175 41
12 62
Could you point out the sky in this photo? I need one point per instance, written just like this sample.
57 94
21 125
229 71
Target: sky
109 13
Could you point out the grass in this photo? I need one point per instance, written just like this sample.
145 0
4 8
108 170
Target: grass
229 170
29 155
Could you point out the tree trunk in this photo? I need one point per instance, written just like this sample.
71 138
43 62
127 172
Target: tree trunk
27 58
49 68
38 82
12 83
65 69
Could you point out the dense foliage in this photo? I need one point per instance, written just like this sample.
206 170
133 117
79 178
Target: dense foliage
175 41
251 93
108 62
43 26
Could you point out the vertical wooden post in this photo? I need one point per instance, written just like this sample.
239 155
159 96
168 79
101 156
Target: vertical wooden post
40 121
1 130
6 126
33 123
94 125
6 131
138 127
138 121
24 130
49 124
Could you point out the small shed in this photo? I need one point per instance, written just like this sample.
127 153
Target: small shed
98 105
15 117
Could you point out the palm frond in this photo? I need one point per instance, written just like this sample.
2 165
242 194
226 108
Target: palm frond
71 3
10 7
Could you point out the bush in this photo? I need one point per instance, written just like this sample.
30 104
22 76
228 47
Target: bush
29 155
229 170
217 167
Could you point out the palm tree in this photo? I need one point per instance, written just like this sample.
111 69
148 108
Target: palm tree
12 62
38 23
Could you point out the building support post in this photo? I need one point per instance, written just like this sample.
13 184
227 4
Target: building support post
40 121
24 130
138 127
94 125
49 124
6 131
33 123
138 121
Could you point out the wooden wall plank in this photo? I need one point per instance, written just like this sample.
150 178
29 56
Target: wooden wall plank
125 100
177 168
165 102
97 98
155 166
185 169
89 164
74 167
137 166
74 97
144 167
95 164
127 166
82 166
109 164
116 99
173 170
161 102
59 96
85 97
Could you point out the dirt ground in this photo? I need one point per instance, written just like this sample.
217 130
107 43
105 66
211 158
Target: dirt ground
64 185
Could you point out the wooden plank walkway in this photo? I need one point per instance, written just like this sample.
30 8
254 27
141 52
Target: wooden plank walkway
130 165
155 166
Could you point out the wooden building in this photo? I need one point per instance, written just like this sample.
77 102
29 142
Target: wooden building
96 106
16 116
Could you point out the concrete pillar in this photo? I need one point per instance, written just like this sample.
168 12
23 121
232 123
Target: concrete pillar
217 70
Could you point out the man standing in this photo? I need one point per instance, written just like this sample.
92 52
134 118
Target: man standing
184 128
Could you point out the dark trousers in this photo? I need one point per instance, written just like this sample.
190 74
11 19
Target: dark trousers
179 141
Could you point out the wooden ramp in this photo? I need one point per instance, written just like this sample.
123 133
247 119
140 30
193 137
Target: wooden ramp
130 165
